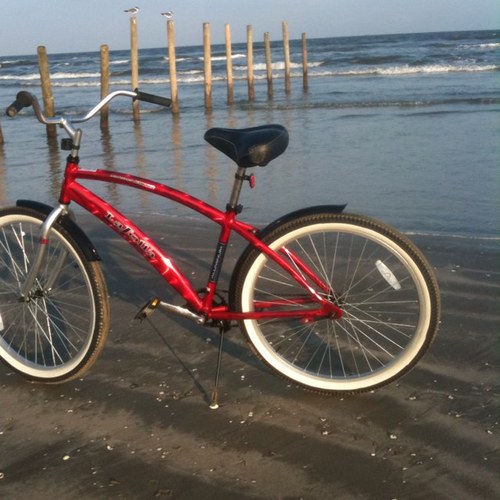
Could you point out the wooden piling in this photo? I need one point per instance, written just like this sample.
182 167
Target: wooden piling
207 58
229 65
269 64
48 98
1 136
104 84
172 67
134 60
286 48
305 82
251 85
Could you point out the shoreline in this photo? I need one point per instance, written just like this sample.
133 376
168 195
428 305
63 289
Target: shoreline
138 424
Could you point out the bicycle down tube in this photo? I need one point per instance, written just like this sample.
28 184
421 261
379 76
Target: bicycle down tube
74 191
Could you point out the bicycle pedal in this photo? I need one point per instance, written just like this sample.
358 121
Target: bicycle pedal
147 309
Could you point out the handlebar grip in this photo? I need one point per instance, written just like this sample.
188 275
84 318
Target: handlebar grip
23 100
154 99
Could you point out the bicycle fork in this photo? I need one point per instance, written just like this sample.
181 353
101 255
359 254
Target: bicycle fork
43 241
44 325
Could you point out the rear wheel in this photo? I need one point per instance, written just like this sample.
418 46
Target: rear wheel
383 284
57 331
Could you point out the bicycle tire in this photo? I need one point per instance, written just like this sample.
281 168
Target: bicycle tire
387 324
58 333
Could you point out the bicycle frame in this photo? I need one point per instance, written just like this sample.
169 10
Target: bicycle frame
72 190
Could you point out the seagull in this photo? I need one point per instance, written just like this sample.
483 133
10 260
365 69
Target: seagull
167 14
133 10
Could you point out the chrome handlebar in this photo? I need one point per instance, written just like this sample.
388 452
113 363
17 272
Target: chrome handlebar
25 100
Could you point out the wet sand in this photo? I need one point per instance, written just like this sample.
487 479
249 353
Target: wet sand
138 424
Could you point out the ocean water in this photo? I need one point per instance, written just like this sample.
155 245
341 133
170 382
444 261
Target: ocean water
405 128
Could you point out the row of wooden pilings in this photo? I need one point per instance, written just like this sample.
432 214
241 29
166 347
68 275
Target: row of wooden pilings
207 65
48 98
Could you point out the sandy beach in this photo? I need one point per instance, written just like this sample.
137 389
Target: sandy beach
138 424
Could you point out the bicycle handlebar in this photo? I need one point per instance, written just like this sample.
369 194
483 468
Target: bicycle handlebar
25 100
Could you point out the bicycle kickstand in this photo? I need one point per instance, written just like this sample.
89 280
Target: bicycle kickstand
214 403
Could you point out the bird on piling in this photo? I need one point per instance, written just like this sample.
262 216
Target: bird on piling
133 10
167 14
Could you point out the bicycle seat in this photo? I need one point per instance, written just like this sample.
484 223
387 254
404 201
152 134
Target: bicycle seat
249 147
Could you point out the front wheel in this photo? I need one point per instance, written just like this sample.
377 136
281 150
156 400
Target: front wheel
56 331
381 281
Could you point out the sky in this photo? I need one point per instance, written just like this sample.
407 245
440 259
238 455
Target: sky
84 25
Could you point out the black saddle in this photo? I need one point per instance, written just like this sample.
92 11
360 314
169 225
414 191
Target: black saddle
249 147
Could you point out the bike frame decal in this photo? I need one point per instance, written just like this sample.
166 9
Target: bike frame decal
128 234
217 264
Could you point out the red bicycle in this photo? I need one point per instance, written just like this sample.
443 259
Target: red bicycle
332 301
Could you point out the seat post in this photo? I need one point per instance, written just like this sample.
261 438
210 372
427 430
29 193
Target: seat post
239 177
